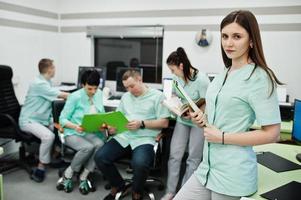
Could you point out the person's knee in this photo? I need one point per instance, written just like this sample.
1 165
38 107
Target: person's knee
48 137
101 158
87 149
98 144
141 163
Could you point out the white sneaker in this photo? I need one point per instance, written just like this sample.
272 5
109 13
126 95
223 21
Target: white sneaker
168 196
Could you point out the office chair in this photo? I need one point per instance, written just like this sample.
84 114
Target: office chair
57 107
156 171
296 133
112 67
9 115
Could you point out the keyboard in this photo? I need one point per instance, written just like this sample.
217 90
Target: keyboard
114 97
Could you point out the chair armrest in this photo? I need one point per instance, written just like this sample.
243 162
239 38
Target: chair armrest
11 121
60 132
160 136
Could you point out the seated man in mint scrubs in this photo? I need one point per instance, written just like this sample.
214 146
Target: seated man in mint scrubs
35 116
142 107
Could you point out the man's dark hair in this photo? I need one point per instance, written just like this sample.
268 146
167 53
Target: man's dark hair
90 77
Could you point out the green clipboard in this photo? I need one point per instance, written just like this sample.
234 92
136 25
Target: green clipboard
92 122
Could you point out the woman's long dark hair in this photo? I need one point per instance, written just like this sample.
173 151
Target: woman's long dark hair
248 21
179 56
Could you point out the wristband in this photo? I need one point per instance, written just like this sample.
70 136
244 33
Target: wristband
142 125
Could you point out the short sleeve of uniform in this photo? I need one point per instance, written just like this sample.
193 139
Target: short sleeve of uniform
68 109
264 104
161 111
46 91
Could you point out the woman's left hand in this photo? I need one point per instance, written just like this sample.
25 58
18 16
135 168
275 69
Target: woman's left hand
212 134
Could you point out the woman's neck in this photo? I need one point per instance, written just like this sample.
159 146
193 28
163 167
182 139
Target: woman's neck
239 63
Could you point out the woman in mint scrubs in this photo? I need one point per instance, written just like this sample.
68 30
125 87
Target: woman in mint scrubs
245 91
186 135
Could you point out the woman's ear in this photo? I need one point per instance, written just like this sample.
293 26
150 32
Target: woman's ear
251 44
181 66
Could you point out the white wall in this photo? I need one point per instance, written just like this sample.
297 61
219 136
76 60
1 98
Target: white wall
281 47
22 48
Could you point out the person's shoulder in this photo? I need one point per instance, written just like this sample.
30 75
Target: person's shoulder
258 73
155 91
201 77
76 94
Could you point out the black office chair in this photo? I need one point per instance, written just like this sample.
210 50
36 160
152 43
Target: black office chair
9 114
112 67
66 151
156 171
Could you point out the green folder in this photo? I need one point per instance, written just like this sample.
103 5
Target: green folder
92 122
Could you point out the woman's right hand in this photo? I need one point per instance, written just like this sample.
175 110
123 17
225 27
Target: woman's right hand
78 129
198 118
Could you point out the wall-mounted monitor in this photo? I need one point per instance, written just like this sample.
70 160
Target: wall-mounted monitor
99 69
118 52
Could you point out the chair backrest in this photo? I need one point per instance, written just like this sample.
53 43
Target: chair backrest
8 101
57 107
296 134
112 67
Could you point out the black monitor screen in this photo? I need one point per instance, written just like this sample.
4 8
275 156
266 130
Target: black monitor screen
120 52
119 73
101 71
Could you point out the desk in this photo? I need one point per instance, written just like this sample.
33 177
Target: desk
285 129
268 179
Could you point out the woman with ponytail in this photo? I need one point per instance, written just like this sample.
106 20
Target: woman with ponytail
185 133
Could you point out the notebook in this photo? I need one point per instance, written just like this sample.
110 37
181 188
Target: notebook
289 191
275 162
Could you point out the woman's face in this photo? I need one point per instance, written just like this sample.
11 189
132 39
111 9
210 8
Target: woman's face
177 70
235 42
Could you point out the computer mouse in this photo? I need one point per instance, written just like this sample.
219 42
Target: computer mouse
298 156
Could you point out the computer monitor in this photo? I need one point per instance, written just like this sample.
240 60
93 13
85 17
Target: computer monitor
119 73
101 70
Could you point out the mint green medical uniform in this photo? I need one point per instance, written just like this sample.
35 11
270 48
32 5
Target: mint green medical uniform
37 104
233 107
77 105
145 107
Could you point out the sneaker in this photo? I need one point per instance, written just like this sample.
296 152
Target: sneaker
65 184
168 196
86 186
38 175
118 193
